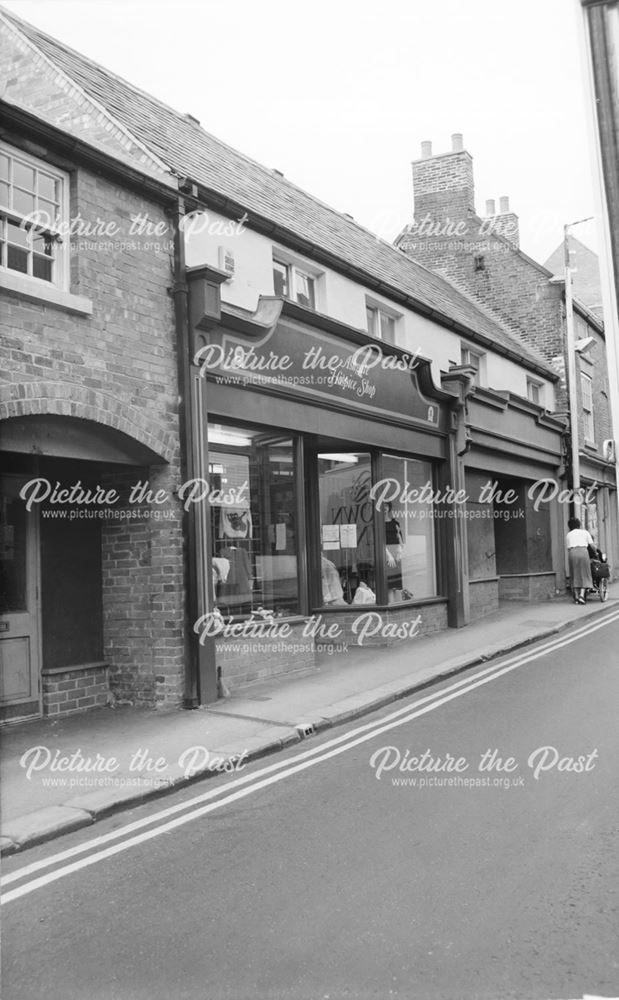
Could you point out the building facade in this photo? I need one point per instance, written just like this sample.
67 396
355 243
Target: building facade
296 440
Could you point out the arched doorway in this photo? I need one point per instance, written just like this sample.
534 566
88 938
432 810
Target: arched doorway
52 587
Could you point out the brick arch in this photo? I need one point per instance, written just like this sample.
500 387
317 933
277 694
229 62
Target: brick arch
70 400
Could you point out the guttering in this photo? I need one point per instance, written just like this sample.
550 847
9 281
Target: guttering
35 129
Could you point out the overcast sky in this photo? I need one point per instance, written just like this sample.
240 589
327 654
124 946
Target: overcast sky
339 94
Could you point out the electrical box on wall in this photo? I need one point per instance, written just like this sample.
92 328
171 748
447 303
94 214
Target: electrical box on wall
226 261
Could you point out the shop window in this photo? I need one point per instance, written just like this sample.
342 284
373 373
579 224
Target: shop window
33 202
359 566
252 475
586 388
292 282
381 324
348 568
403 497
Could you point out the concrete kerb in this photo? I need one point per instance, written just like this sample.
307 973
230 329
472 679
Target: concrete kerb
43 824
396 692
84 810
40 826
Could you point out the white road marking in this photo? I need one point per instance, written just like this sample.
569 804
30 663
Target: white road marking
289 767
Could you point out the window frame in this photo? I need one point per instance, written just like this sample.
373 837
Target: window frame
60 270
586 396
467 353
538 388
232 427
381 313
294 271
378 458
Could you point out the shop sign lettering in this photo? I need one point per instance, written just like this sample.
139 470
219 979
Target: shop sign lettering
307 361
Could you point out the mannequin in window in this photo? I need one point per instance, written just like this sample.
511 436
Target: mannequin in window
238 585
332 592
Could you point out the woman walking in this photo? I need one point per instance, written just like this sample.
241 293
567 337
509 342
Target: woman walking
577 540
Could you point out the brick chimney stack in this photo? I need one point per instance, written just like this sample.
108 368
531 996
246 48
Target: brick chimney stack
443 184
505 223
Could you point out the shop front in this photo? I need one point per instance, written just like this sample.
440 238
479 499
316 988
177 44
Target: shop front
328 457
514 512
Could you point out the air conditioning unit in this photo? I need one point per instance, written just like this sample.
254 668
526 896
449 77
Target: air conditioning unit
226 260
609 450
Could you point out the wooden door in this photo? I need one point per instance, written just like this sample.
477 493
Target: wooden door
19 604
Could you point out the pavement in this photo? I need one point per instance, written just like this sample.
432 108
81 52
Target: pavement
58 775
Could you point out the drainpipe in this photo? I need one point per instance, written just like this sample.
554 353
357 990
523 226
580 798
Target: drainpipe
458 381
200 669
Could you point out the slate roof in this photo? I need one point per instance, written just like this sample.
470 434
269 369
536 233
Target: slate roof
192 152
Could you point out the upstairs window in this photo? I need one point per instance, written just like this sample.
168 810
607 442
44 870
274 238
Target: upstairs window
477 360
586 388
380 324
535 391
293 283
32 206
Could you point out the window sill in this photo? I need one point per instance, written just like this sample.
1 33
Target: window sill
40 291
51 671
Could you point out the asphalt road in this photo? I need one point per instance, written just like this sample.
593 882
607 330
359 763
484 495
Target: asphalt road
326 876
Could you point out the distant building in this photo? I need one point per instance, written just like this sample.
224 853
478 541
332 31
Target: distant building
585 265
481 254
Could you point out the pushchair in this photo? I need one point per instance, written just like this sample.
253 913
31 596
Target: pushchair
600 573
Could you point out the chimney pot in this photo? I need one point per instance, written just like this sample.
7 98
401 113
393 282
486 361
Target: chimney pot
457 144
504 205
426 150
490 207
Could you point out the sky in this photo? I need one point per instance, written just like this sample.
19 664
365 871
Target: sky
339 94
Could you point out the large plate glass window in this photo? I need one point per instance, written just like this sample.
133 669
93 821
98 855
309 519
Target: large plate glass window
348 564
403 498
253 511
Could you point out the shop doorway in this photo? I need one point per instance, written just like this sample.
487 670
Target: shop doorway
20 655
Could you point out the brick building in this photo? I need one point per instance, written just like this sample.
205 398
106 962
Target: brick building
89 395
189 319
481 255
586 279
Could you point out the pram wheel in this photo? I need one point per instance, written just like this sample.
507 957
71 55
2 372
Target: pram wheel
603 590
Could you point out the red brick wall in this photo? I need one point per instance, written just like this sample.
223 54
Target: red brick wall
75 690
117 367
